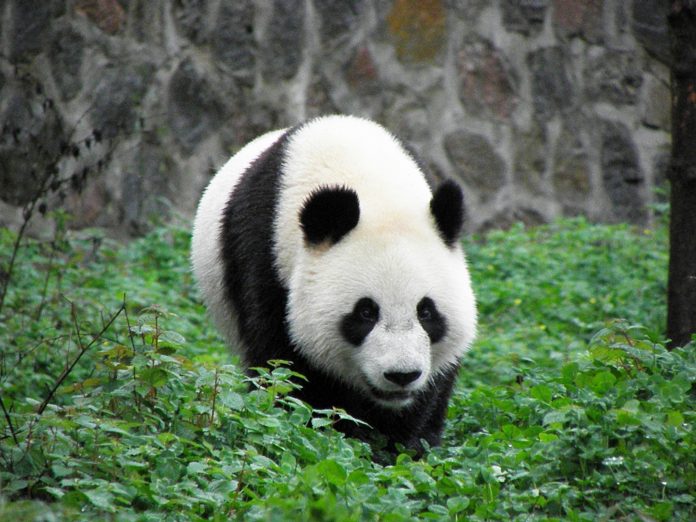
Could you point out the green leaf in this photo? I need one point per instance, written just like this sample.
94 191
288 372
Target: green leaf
155 377
675 419
457 504
541 392
231 399
603 382
332 471
101 499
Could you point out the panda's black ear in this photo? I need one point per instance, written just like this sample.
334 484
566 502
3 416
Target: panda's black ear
447 207
328 214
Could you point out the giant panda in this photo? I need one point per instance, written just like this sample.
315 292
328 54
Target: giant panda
323 245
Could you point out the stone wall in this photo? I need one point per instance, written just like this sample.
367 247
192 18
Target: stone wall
541 108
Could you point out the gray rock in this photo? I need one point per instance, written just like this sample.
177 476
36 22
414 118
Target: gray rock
408 119
613 76
524 16
193 109
283 45
232 39
339 20
191 18
656 104
65 56
487 83
552 90
650 27
362 74
146 21
319 97
150 186
531 155
475 161
579 18
31 26
621 173
32 133
417 30
572 180
117 98
468 11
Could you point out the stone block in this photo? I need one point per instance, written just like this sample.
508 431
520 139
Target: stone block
649 24
282 47
656 104
614 77
146 21
320 97
65 56
487 84
468 10
524 16
622 177
552 89
531 155
117 96
31 22
107 15
148 185
417 29
475 161
579 18
572 181
361 73
30 142
339 20
232 39
193 109
191 19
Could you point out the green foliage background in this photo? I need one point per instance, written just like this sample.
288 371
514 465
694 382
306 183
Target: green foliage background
568 407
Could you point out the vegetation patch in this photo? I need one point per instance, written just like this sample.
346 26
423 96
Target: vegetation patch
120 402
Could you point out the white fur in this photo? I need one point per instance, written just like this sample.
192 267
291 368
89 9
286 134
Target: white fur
205 242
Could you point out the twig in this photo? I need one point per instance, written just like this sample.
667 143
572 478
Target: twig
215 389
9 422
83 349
39 310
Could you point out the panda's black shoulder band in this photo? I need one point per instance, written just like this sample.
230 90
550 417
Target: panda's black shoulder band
328 214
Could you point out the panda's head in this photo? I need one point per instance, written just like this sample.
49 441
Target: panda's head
381 304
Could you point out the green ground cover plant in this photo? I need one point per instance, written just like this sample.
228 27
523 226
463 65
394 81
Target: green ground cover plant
120 402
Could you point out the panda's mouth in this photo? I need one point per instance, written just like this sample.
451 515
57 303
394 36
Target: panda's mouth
394 399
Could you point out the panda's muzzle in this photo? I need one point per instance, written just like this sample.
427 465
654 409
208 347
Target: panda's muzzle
391 396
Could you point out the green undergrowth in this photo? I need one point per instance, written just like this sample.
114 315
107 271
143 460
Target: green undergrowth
120 402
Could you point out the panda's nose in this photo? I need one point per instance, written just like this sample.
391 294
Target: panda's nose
402 378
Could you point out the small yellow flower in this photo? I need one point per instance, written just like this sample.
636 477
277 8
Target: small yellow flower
593 300
542 327
517 302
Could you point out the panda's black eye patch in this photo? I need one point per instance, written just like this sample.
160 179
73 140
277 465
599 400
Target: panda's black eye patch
431 320
357 325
